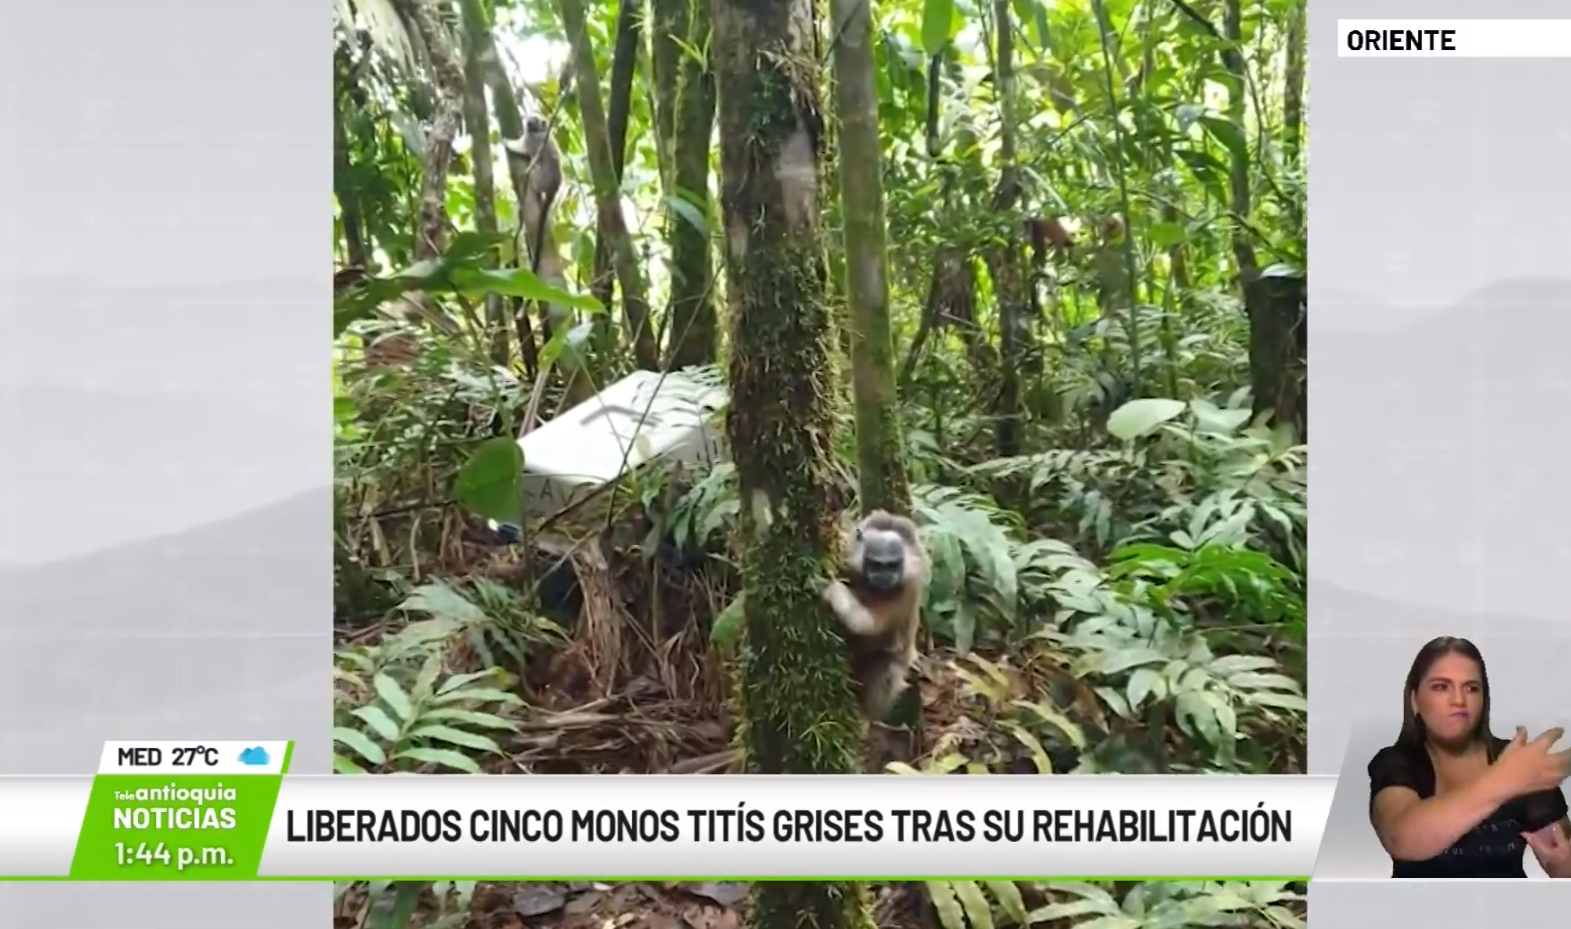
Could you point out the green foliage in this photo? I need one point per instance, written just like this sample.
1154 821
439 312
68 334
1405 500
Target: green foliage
424 724
1148 547
971 903
461 271
708 510
974 570
400 710
1161 904
491 482
1172 624
1153 905
1176 480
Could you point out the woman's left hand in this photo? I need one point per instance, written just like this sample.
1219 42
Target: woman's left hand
1552 849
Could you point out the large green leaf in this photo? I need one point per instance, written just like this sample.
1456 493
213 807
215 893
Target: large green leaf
491 482
937 25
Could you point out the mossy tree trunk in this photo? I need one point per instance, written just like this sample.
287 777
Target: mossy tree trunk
798 708
685 104
880 449
1289 341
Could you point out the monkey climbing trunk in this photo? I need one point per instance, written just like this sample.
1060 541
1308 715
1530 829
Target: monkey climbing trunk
798 708
536 234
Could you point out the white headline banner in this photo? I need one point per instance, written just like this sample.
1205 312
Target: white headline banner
1453 38
880 826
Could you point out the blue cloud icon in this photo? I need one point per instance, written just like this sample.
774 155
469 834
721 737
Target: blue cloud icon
256 755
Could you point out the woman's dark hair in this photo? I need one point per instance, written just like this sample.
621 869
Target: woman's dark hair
1413 735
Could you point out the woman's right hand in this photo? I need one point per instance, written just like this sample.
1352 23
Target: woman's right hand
1529 766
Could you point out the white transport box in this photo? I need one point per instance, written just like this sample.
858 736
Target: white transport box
643 417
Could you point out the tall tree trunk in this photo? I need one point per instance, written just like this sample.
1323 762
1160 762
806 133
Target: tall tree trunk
431 228
880 449
667 18
431 234
1274 303
1117 230
1004 261
608 193
344 189
477 119
1297 347
880 443
685 108
624 64
1293 105
798 709
1238 167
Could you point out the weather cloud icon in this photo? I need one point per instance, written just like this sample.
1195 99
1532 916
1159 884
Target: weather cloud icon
255 755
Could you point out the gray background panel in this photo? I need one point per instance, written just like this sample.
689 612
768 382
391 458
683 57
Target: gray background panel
165 435
1441 347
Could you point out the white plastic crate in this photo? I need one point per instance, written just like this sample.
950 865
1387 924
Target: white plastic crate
641 418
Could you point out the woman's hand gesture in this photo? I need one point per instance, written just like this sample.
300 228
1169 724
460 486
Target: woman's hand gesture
1552 849
1529 766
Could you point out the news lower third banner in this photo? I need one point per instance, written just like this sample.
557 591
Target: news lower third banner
229 811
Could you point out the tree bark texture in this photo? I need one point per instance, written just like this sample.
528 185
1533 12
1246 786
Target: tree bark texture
685 103
880 448
798 708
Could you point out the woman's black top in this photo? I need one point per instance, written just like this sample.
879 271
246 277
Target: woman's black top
1495 847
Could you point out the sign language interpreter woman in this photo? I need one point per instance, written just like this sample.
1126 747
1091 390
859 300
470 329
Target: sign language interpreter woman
1449 800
